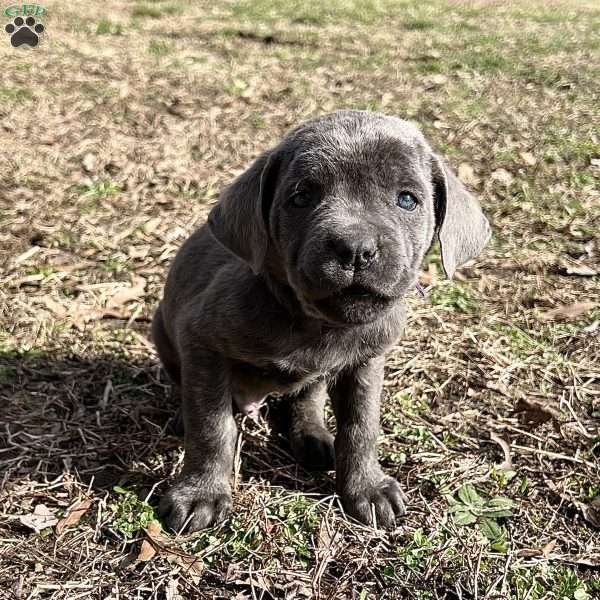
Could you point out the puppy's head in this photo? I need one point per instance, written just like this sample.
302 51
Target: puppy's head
344 209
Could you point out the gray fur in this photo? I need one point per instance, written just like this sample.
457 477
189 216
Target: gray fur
258 301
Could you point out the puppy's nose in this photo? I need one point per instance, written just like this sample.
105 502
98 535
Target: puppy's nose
356 254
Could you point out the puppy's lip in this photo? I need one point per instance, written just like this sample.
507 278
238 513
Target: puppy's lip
357 295
361 292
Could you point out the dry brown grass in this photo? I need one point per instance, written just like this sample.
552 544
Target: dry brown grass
118 132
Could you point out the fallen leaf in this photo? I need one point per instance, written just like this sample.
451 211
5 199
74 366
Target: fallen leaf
41 518
529 552
55 307
431 276
547 549
591 512
467 175
89 162
157 542
151 225
147 551
437 79
535 413
567 312
528 158
503 176
575 268
74 514
135 291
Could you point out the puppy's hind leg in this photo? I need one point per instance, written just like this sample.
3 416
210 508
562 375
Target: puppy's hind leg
170 362
311 442
166 351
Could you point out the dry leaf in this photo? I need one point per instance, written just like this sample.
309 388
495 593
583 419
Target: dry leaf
547 549
467 175
529 552
431 276
592 328
535 413
147 551
89 162
591 512
503 176
192 565
41 518
568 311
55 307
74 514
151 225
581 270
528 158
135 291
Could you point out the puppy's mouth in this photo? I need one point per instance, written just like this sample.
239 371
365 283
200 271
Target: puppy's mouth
354 304
359 293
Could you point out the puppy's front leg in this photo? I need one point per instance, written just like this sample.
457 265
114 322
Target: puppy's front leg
311 442
365 489
202 495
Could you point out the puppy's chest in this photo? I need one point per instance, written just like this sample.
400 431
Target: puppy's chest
301 367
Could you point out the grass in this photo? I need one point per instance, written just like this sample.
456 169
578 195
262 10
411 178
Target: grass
489 412
107 27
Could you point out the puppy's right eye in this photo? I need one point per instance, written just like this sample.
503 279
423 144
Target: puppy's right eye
301 199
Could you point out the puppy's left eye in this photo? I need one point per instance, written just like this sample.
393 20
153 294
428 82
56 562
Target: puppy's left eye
406 201
301 199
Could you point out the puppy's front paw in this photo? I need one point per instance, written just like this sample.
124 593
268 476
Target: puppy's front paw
382 500
194 503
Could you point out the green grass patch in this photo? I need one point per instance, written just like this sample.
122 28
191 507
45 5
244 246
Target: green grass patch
316 13
144 11
100 189
292 520
418 24
15 94
159 48
108 27
454 296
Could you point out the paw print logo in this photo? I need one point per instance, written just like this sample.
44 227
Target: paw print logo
24 31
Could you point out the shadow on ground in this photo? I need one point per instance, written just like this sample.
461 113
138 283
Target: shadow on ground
110 421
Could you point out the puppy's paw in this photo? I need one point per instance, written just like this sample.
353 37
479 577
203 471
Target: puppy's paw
195 503
314 449
382 500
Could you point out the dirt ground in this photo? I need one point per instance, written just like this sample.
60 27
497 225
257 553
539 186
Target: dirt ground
117 133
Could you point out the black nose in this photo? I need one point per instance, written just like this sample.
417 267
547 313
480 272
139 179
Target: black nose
356 254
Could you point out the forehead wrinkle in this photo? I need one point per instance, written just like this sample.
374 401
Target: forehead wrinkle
367 161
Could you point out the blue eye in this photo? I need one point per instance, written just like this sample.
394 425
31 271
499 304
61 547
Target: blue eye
406 201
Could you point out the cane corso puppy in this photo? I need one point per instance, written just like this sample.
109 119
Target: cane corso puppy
295 285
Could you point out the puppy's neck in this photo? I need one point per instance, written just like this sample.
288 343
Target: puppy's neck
283 294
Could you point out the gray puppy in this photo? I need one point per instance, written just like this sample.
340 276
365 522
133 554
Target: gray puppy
295 285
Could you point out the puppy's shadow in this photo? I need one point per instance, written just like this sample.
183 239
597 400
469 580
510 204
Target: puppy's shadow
108 421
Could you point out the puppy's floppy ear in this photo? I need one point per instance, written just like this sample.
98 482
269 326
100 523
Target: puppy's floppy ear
462 228
239 220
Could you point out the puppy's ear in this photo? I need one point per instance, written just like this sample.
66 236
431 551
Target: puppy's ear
239 220
462 228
